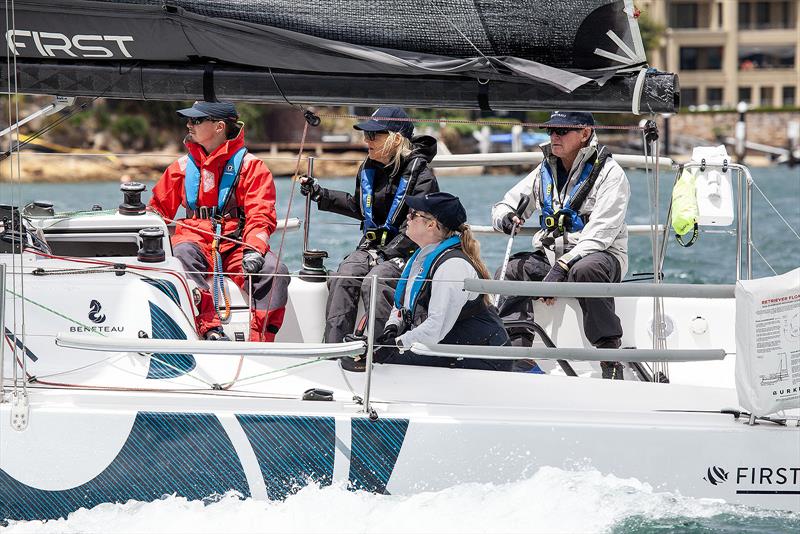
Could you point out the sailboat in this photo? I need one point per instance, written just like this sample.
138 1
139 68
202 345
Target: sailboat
108 395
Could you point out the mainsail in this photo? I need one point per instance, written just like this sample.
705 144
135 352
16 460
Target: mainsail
507 54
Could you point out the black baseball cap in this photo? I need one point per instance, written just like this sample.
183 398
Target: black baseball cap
215 110
570 118
445 207
382 122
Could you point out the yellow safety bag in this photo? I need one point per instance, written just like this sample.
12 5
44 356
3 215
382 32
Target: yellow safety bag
684 208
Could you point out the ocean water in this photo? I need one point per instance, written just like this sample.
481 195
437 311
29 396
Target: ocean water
712 259
552 500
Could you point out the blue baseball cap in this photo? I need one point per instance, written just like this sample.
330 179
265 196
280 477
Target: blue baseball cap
570 118
447 208
382 122
215 110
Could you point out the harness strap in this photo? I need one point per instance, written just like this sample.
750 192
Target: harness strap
568 217
372 230
230 174
422 277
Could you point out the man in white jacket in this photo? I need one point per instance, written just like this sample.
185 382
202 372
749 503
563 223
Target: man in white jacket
581 195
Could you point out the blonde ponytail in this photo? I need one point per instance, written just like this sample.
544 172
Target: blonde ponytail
472 248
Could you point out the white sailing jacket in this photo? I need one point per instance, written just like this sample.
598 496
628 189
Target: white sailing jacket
605 205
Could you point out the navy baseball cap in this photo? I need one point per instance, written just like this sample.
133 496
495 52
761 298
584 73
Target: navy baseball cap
383 122
445 207
570 118
215 110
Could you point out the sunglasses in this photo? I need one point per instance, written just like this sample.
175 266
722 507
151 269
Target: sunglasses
561 132
371 136
413 214
200 120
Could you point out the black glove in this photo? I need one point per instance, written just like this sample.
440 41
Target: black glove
309 187
389 336
557 274
507 224
252 262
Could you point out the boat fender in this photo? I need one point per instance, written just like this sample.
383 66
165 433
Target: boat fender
317 394
684 207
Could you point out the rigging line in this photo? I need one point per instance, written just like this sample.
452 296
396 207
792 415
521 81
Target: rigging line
763 258
771 205
15 175
278 87
273 371
450 22
66 114
286 222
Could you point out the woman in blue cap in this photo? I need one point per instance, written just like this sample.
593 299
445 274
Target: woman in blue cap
396 167
430 305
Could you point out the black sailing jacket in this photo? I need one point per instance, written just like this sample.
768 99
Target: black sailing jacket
384 187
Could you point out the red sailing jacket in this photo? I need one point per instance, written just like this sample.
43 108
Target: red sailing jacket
254 194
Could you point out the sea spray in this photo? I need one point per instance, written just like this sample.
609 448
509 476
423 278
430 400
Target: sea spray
552 500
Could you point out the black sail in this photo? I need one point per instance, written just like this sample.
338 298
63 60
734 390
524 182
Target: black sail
522 54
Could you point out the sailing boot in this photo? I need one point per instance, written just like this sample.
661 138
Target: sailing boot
216 334
357 364
611 370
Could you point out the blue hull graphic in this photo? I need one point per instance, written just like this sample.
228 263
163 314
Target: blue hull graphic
190 455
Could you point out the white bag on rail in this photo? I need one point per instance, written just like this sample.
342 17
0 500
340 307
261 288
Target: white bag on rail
768 343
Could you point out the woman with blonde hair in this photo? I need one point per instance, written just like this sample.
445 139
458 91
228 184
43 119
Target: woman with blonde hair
430 305
396 167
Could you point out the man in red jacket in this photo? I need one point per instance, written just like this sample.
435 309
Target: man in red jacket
229 197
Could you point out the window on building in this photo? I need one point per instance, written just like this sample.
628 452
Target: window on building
766 15
745 95
762 15
744 15
766 57
789 98
701 57
688 96
767 94
714 96
683 15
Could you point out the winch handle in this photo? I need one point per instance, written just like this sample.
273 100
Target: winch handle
524 200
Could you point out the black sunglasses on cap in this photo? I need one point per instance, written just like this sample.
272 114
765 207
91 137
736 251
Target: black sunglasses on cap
561 131
370 136
200 120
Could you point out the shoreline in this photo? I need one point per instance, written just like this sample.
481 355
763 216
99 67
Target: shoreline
37 167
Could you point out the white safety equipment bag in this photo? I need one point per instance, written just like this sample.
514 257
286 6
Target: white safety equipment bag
768 343
714 187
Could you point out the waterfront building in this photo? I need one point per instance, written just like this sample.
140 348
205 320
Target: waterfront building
727 51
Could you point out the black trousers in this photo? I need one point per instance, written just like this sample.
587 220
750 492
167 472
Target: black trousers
600 322
351 282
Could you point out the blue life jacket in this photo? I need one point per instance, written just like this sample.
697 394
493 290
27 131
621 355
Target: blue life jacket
400 291
568 218
191 184
367 177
